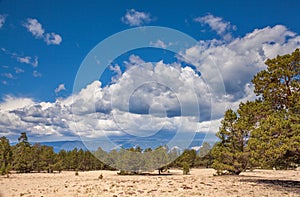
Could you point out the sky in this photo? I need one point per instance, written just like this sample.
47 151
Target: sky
142 92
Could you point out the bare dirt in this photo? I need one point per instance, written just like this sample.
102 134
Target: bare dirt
200 182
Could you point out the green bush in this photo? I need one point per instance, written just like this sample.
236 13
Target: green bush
185 168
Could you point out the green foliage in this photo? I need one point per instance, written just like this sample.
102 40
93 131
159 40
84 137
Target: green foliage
24 158
23 155
204 149
188 156
277 135
185 168
265 132
204 157
229 153
5 156
279 81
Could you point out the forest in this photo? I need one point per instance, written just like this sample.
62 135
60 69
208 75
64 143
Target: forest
264 133
25 157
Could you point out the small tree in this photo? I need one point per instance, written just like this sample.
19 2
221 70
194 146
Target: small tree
23 156
204 157
5 156
185 168
161 158
229 153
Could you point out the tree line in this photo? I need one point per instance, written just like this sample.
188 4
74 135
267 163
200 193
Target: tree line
25 158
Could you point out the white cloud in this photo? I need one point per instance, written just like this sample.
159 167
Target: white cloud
93 112
160 44
117 70
12 103
25 60
2 20
149 96
241 58
53 38
36 29
136 18
18 70
60 87
36 74
28 60
21 58
223 28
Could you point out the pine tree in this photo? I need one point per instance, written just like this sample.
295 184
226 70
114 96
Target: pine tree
23 156
5 156
204 157
279 81
229 153
275 141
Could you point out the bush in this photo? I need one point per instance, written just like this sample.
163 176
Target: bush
185 168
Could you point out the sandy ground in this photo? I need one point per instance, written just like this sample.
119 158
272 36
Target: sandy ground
200 182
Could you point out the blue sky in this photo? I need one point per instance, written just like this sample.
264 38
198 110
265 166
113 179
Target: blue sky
43 44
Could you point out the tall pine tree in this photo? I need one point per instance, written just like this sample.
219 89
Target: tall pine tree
275 141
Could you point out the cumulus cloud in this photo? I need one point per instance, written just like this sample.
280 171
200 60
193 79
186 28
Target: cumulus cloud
97 111
152 96
36 29
2 20
217 24
136 18
238 60
60 87
117 70
53 38
10 103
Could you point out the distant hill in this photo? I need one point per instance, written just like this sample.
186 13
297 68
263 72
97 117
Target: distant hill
66 145
124 141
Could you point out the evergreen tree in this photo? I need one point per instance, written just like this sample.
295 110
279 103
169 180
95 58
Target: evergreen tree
23 157
160 158
49 158
204 158
275 141
188 156
229 153
204 149
280 81
5 156
38 163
